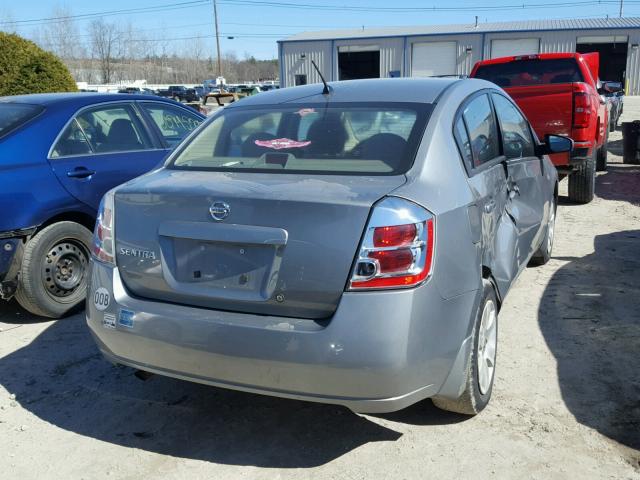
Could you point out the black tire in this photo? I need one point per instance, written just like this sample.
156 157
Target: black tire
543 254
582 182
53 276
603 152
473 400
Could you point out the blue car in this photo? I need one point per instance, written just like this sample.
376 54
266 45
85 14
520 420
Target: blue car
59 154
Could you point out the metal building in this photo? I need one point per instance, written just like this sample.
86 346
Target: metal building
453 49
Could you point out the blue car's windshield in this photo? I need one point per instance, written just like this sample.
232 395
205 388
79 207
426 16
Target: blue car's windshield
363 138
13 115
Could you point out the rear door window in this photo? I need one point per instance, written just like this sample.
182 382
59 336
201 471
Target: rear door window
174 123
14 115
482 130
369 138
517 141
113 128
520 73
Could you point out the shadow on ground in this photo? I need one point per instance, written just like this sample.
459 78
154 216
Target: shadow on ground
61 378
590 318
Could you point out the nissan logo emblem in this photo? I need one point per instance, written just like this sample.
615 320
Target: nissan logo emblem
219 210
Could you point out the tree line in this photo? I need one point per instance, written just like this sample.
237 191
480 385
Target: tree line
117 52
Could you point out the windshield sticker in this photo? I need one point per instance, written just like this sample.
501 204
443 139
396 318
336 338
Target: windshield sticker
280 143
305 111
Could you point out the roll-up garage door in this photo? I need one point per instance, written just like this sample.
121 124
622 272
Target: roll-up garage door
514 46
433 58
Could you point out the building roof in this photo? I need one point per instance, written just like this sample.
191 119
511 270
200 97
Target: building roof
466 28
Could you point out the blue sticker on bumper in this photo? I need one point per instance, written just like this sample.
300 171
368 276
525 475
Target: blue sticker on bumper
125 318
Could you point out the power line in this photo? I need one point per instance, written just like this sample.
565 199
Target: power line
107 13
400 9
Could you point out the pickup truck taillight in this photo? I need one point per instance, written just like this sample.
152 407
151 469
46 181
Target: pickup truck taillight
581 110
397 247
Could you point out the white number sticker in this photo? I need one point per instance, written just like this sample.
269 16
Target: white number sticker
101 299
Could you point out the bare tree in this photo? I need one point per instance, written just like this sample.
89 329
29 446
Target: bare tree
61 36
106 46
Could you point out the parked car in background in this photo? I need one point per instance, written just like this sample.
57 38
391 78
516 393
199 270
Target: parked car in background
59 153
191 95
614 95
559 94
351 247
175 92
137 90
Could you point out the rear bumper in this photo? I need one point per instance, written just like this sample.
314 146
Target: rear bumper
380 352
581 152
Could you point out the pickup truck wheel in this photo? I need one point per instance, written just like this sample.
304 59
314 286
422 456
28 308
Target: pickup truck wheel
53 276
543 254
601 162
481 362
582 182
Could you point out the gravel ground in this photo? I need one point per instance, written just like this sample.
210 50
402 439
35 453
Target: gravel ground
566 401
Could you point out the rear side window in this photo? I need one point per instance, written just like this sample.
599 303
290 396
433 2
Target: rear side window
517 141
174 123
522 73
71 142
482 129
464 145
14 115
363 138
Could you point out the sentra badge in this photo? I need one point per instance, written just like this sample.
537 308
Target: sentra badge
134 252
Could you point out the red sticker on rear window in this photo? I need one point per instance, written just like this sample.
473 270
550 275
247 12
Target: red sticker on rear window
280 143
305 111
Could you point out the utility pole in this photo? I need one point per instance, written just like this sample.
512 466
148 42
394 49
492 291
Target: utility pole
621 4
215 17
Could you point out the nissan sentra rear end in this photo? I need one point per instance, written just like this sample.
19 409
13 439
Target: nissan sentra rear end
271 255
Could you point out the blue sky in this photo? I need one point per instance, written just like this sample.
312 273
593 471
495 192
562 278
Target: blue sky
256 27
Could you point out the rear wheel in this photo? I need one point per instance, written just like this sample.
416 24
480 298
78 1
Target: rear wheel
53 276
582 182
543 254
481 362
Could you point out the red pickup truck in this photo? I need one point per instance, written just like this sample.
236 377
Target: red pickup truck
558 92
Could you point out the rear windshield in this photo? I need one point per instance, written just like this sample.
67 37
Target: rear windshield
377 139
13 115
522 73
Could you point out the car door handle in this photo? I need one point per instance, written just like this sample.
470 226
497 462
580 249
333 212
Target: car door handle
80 173
490 206
514 190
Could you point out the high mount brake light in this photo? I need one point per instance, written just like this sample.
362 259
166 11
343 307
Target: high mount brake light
397 248
103 235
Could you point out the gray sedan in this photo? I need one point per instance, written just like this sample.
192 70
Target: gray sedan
350 247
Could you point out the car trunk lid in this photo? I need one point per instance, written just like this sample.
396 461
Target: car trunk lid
285 247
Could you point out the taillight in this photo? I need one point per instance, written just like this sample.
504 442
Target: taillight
103 235
581 110
397 247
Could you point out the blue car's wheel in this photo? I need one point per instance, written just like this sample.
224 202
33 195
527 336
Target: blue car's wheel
53 277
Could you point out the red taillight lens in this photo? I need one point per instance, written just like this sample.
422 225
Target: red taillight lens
392 261
581 110
395 255
394 236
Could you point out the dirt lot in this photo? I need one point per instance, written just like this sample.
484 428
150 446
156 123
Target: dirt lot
566 401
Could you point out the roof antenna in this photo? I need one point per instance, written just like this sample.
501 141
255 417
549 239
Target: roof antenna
325 90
